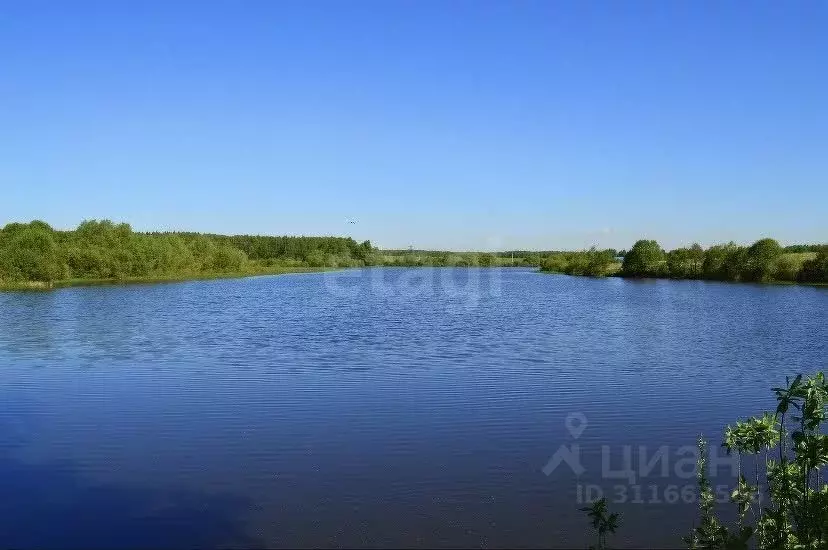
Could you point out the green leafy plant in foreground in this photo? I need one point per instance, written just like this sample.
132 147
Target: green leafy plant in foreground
788 449
602 522
791 511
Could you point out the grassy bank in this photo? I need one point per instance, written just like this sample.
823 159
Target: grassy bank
179 277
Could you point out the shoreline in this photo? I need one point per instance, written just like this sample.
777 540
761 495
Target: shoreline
43 286
619 276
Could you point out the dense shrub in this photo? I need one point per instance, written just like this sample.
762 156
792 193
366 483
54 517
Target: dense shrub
104 250
759 260
29 252
816 270
592 263
645 259
763 261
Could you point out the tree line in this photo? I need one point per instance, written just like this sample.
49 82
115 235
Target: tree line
591 263
763 261
436 258
105 250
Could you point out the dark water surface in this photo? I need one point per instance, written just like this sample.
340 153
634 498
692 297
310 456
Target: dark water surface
379 407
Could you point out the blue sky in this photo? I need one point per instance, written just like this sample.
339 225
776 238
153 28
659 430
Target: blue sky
452 124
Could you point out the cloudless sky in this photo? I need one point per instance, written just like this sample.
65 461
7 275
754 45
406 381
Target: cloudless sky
445 124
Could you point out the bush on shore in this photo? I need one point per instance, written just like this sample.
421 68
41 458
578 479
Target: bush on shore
36 252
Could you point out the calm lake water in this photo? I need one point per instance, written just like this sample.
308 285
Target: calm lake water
380 407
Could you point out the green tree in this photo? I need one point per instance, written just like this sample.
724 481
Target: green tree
316 259
225 258
592 262
555 263
29 252
723 262
685 263
786 269
597 262
759 260
645 259
695 260
364 252
678 263
486 260
816 269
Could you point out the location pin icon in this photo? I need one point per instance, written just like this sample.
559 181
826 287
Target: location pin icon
576 423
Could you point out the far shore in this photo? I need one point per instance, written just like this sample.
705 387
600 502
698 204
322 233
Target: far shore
40 286
179 278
